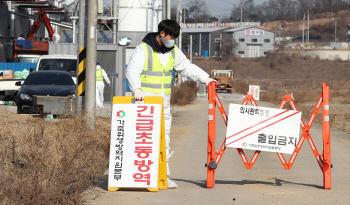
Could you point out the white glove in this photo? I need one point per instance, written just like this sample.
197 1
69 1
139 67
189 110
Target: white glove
138 95
209 80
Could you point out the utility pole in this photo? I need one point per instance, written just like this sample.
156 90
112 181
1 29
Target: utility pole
302 45
184 16
168 13
81 44
164 9
279 33
115 2
91 51
308 27
180 37
74 18
178 8
178 11
241 10
335 32
81 28
191 49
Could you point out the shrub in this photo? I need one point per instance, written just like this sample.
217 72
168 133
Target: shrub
241 87
274 58
184 93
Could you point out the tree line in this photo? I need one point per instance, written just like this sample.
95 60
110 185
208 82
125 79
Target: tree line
197 11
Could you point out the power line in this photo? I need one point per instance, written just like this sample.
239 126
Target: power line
127 12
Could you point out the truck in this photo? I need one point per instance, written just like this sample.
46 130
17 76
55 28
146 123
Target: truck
60 63
8 89
224 79
27 58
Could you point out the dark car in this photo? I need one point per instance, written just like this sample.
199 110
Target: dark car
45 83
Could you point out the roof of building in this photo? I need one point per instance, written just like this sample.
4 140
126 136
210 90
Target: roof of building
243 28
203 30
237 29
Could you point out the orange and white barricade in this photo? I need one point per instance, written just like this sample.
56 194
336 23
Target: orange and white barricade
324 160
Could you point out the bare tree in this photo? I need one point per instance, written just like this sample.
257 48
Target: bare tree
198 10
303 6
229 47
247 10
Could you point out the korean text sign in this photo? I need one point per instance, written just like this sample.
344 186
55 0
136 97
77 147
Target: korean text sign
261 128
134 152
254 32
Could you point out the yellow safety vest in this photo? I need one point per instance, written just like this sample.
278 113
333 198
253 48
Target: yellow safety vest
154 77
99 75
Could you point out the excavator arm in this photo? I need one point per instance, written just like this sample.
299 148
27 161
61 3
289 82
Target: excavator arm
40 17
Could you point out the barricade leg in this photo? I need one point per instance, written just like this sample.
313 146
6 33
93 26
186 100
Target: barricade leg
326 138
211 137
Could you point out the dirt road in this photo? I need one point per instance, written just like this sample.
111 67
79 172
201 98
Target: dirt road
266 183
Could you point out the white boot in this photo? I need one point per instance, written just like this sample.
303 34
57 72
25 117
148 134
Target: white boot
171 184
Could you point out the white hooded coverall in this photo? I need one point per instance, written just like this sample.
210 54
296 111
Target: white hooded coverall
100 87
182 65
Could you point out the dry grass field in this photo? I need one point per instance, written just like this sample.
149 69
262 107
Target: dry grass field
50 162
280 74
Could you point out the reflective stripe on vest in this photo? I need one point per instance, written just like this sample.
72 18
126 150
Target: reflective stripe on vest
154 77
99 75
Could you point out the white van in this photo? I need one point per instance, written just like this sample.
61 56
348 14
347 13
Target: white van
59 62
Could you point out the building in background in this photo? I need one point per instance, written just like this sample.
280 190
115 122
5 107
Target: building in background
252 41
205 41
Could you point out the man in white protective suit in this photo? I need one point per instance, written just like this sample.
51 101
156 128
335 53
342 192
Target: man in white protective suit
149 72
100 86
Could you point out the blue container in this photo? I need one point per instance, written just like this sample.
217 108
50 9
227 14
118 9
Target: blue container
205 54
17 66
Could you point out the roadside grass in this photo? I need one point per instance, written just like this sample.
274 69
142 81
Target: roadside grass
50 162
184 93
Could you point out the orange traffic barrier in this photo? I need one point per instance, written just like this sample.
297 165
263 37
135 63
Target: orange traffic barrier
324 160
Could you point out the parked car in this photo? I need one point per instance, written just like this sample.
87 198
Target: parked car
44 83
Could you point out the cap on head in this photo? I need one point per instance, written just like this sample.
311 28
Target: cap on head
97 63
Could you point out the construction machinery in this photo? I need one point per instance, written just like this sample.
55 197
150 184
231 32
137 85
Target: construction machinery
224 79
34 47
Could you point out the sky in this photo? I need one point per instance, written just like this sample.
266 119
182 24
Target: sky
219 7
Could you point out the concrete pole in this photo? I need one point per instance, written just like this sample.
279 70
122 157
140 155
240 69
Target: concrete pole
200 45
115 21
81 43
308 27
335 32
178 9
191 49
11 7
74 31
180 37
81 28
241 11
302 45
220 44
164 9
91 53
184 16
168 12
